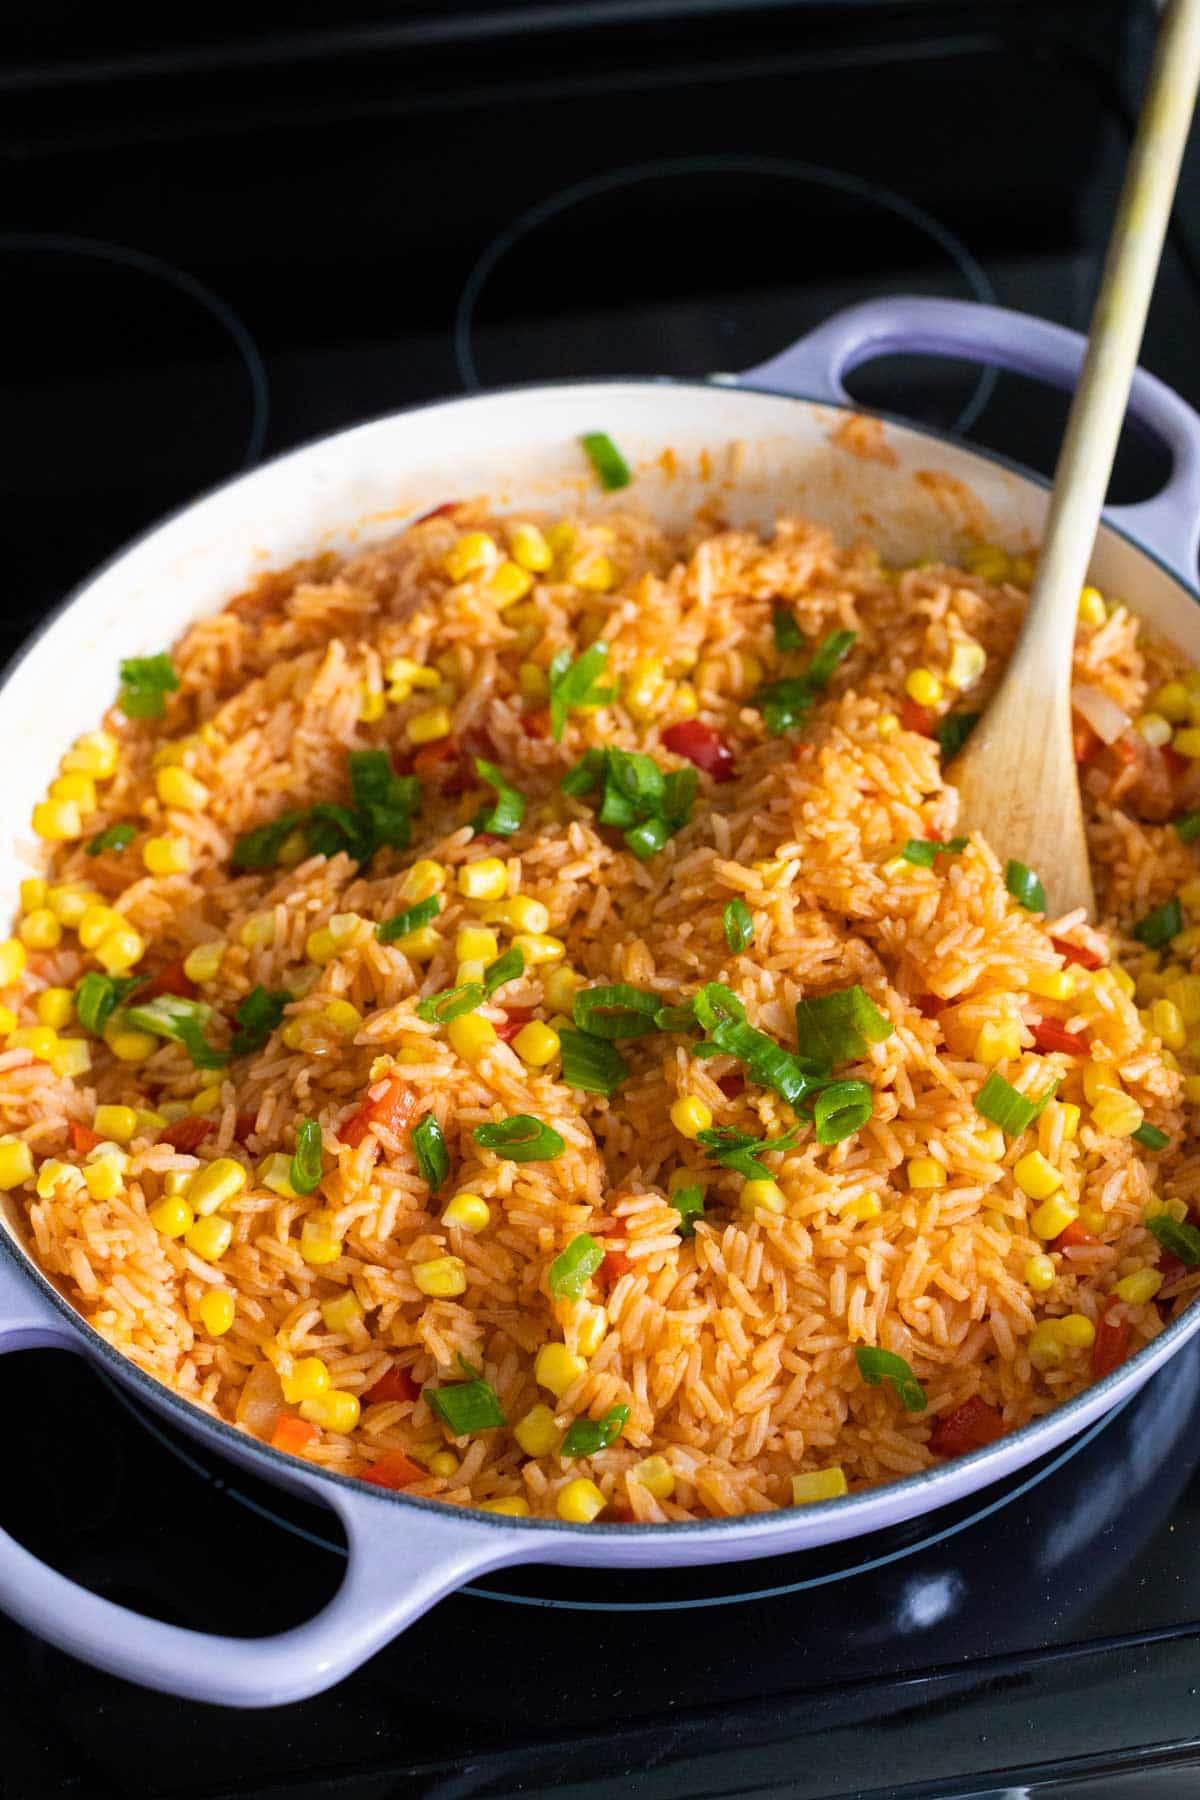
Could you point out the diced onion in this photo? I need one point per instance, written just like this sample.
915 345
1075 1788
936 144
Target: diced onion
1101 712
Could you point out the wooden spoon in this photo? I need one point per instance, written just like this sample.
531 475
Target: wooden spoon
1017 778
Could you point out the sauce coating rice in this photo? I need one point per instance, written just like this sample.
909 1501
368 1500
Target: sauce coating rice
666 1323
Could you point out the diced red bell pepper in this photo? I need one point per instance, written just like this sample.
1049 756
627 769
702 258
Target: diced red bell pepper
969 1427
622 1515
1176 764
397 1384
514 1020
292 1434
700 744
1078 953
438 512
1111 1346
430 757
83 1138
732 1085
915 717
169 980
1085 740
1075 1237
1170 1267
186 1135
245 1126
536 724
614 1265
1049 1035
393 1471
393 1108
929 1005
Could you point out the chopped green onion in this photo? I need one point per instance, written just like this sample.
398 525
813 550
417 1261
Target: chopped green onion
570 1273
619 1011
520 1138
768 1064
466 1406
592 1064
647 804
573 684
836 1028
788 635
257 1017
98 996
676 1018
381 814
923 851
733 1149
117 837
1150 1137
259 849
586 1436
689 1204
429 1147
1000 1103
1188 827
505 968
400 924
1181 1240
305 1171
1160 926
1024 886
506 815
739 925
876 1365
830 652
451 1003
145 682
842 1109
182 1021
953 731
787 703
607 460
648 838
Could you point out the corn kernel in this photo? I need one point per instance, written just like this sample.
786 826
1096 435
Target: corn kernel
643 690
1153 729
537 1433
1091 609
819 1484
529 548
57 821
95 921
1056 984
761 1196
167 855
55 1007
510 1506
16 1163
119 949
103 1177
333 1410
690 1116
1139 1288
150 1121
468 1212
8 1020
33 893
40 1041
430 726
203 964
526 914
371 704
1053 1217
215 1308
475 943
580 1502
275 1172
342 1311
923 686
40 930
471 554
214 1186
412 674
56 1177
483 880
1123 979
77 787
593 572
71 1058
309 1377
997 1043
537 948
1046 1349
1036 1177
1076 1331
532 682
1118 1115
421 945
508 583
556 1368
656 1475
12 961
117 1123
1191 1089
441 1277
967 663
422 881
95 754
211 1237
319 1242
1187 741
862 1209
1185 994
925 1172
128 1045
1171 702
536 1044
1069 1114
1168 1022
1099 1078
1039 1274
172 1216
342 1018
177 788
988 561
685 701
444 1464
559 987
471 1037
70 901
589 1325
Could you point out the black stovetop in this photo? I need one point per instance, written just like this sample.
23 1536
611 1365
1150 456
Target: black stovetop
209 254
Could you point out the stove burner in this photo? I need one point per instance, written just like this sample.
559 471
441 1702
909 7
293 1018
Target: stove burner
591 281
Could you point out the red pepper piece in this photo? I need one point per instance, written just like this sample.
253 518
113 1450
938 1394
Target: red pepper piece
186 1135
929 1005
1049 1035
622 1515
1176 765
536 724
915 717
397 1384
246 1126
393 1471
969 1427
700 744
615 1264
1075 1237
1112 1340
170 980
292 1434
1078 953
393 1108
430 757
83 1138
732 1085
514 1020
1170 1267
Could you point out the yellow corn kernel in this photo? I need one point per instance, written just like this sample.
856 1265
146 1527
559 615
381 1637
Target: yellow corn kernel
690 1116
444 1464
441 1277
471 1037
207 1100
819 1484
486 879
556 1368
371 704
16 1163
55 1006
151 1121
421 945
537 948
402 668
1053 1217
1045 1347
40 930
532 682
203 964
1139 1288
1191 1089
119 949
475 943
862 1209
94 922
94 754
422 881
342 1311
536 1044
988 561
33 893
309 1377
1118 1115
12 961
593 572
1076 1331
1171 702
526 914
71 1058
115 1122
925 1172
172 1216
538 1433
319 1242
580 1502
529 548
319 946
1070 1118
1185 994
1039 1274
274 1172
40 1041
589 1325
334 1410
997 1043
8 1020
656 1475
215 1309
70 903
1056 984
211 1237
468 1212
509 1506
508 583
967 663
887 724
471 554
761 1196
1123 979
1036 1177
1093 1219
56 1177
128 1045
923 686
77 787
167 855
212 1187
991 1142
175 787
685 701
1187 741
342 1018
1153 729
1099 1078
57 821
1091 609
643 689
559 988
293 850
428 727
1168 1022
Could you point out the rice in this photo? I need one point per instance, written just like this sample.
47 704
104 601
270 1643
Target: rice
733 1349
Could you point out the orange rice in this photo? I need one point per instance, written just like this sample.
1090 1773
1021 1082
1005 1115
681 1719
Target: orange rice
734 1349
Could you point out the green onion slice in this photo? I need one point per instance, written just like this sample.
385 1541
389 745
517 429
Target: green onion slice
592 1064
733 1149
876 1365
1160 926
689 1204
830 652
739 925
573 684
429 1147
466 1406
587 1436
953 731
400 924
1024 886
145 683
842 1109
305 1171
923 851
506 815
787 703
381 814
257 1017
1188 827
607 460
570 1273
619 1011
98 996
183 1021
1181 1240
1000 1103
1151 1137
506 968
117 837
836 1028
788 635
676 1018
520 1138
451 1003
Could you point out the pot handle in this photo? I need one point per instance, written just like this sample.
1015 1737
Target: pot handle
1168 525
401 1559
